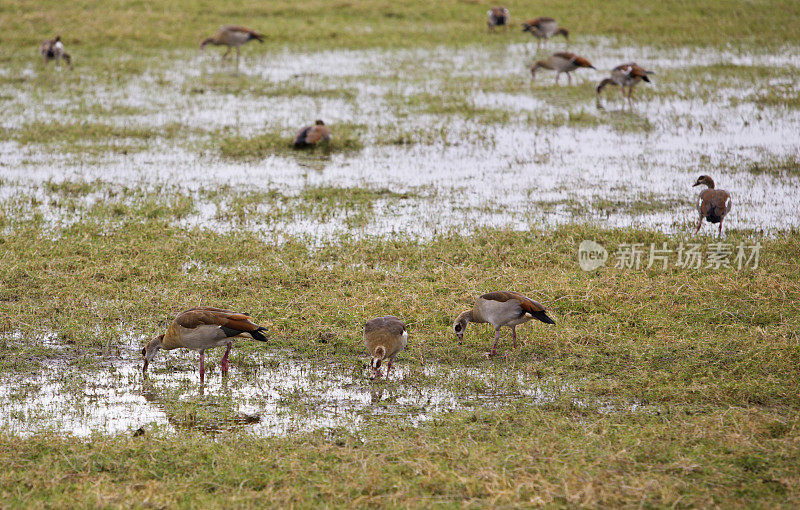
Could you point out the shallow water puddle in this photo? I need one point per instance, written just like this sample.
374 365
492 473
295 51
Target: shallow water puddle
279 397
538 155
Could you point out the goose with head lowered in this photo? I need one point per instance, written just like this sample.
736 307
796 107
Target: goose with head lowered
384 337
561 62
203 328
500 309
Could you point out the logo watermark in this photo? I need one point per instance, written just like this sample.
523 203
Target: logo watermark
592 255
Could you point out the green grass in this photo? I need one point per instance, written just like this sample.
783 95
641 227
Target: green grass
346 138
773 165
521 456
375 23
676 387
711 357
785 95
320 203
90 136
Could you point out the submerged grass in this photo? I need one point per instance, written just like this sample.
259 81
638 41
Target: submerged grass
226 83
773 165
318 203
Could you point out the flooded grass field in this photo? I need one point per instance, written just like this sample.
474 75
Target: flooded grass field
140 184
489 148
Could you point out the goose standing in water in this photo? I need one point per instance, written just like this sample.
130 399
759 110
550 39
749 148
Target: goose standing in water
384 337
203 328
625 75
712 204
561 62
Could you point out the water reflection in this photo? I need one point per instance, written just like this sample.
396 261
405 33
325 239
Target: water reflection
550 159
273 397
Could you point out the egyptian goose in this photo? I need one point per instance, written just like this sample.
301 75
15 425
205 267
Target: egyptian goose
384 337
310 135
713 204
501 309
498 16
232 37
202 328
561 62
544 28
53 49
625 75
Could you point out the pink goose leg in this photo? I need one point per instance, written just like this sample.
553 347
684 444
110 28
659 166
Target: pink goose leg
224 363
493 352
202 366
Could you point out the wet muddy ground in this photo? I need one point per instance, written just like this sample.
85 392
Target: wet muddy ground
460 138
451 139
268 395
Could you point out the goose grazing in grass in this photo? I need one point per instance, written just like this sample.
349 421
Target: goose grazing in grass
311 135
625 75
384 337
53 49
497 17
544 28
561 62
501 309
712 204
233 37
202 328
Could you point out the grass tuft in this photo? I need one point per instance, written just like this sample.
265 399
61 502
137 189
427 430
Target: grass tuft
346 138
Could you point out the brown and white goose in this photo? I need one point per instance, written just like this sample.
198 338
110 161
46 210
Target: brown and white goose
53 49
384 337
497 17
203 328
543 28
501 309
311 135
233 37
624 75
561 62
712 204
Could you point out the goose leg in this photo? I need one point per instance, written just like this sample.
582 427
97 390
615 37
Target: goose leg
720 229
514 336
237 60
202 366
228 52
558 73
569 79
224 362
699 224
493 352
388 369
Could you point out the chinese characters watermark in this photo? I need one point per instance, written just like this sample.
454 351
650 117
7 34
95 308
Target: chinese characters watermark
592 255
